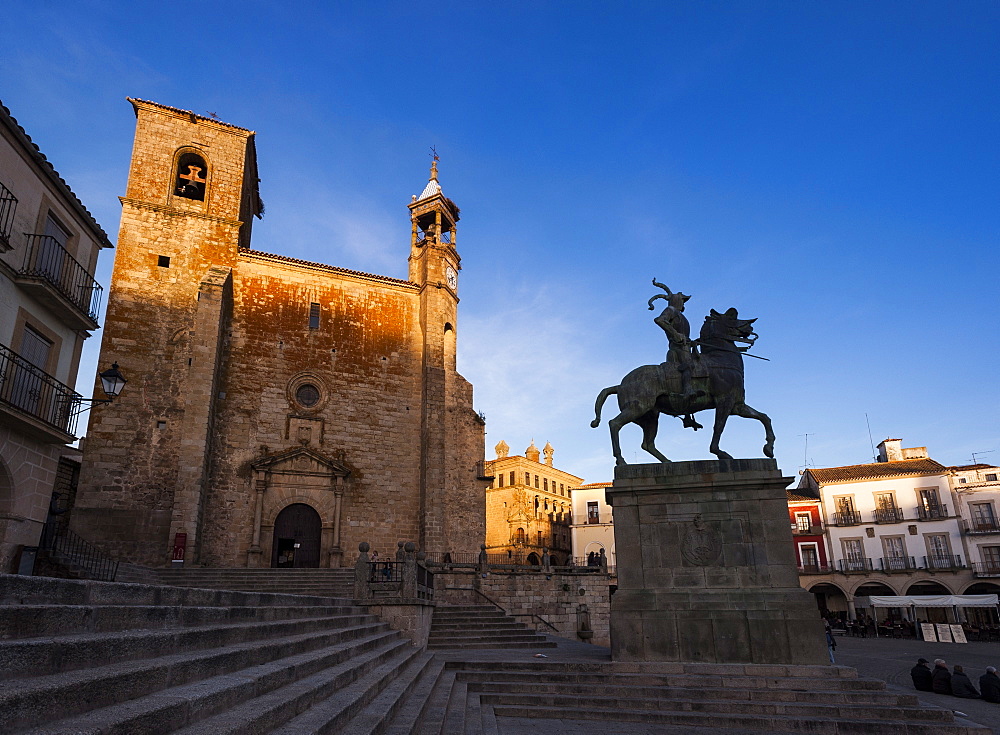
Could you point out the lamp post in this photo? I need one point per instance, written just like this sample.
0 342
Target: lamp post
112 382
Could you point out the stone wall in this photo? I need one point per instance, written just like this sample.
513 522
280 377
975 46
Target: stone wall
555 598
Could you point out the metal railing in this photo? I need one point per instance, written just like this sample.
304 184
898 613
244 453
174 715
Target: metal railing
35 392
65 547
816 569
8 203
854 566
986 568
987 526
846 518
937 512
425 583
807 530
888 515
897 563
947 561
47 260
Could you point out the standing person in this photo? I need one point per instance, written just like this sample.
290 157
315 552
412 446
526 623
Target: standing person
961 686
922 677
941 678
989 685
831 644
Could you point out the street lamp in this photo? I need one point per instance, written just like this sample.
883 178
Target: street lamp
112 381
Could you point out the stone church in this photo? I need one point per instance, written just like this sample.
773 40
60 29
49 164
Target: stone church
278 411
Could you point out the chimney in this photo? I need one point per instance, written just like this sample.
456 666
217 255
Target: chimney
890 450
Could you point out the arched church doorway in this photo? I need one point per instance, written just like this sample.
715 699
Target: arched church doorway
297 532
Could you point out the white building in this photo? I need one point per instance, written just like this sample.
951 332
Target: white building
892 527
49 302
977 494
593 526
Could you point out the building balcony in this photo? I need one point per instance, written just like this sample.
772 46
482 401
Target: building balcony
945 562
54 277
890 564
854 566
846 518
38 403
980 527
8 203
986 568
807 530
937 512
816 569
887 515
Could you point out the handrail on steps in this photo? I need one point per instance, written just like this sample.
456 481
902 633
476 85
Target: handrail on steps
513 615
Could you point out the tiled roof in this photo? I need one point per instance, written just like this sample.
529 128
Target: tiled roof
133 100
594 485
877 470
322 266
795 495
72 199
430 190
967 467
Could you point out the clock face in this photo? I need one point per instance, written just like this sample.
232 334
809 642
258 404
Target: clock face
452 277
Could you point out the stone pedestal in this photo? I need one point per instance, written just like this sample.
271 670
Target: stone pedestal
706 566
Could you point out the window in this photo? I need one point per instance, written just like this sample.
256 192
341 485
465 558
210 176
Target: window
519 536
8 203
545 485
561 490
803 522
962 480
163 261
28 390
307 395
527 479
500 480
991 558
191 177
314 316
808 556
854 554
512 477
938 551
536 482
991 477
593 512
983 517
894 550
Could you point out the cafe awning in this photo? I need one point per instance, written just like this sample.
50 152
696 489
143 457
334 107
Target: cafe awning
928 601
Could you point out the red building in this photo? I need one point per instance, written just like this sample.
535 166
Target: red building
806 518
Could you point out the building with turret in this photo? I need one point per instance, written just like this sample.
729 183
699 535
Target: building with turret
279 411
528 507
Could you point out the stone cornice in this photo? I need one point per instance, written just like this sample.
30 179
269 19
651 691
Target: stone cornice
139 204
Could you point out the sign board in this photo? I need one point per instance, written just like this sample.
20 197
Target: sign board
180 541
927 632
958 634
943 632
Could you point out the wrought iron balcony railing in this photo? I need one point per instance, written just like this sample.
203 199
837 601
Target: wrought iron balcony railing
36 393
897 564
8 203
986 568
854 566
815 569
888 515
979 527
46 260
945 561
936 512
846 518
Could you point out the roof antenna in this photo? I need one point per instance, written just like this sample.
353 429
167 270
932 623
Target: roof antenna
976 461
805 452
870 440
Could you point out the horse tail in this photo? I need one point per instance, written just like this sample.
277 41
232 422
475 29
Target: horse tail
600 403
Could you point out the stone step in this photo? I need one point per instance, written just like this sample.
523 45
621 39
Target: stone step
743 723
437 627
30 700
254 699
485 636
611 689
569 702
419 705
479 645
26 621
390 705
554 674
49 656
608 668
16 589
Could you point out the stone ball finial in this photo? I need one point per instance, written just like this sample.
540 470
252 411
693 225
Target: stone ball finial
399 544
531 453
421 555
482 546
364 547
410 547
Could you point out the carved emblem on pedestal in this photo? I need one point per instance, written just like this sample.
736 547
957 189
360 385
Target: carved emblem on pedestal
702 544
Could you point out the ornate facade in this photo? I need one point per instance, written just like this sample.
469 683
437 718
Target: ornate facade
528 507
279 411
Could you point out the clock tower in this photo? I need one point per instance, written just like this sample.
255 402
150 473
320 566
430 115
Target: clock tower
434 266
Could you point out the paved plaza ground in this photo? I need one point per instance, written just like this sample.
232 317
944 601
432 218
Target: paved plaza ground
881 658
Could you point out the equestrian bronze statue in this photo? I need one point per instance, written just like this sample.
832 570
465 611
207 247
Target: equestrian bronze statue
697 375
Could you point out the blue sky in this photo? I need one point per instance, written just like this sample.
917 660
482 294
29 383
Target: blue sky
830 168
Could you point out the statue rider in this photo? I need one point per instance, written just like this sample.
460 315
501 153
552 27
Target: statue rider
681 351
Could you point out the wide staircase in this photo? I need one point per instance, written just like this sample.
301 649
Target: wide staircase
112 658
323 582
480 626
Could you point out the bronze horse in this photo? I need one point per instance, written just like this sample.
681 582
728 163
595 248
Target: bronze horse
650 390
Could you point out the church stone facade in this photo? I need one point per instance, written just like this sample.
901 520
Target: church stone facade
278 411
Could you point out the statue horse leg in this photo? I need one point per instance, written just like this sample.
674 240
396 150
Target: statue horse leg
747 412
723 409
649 423
631 412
